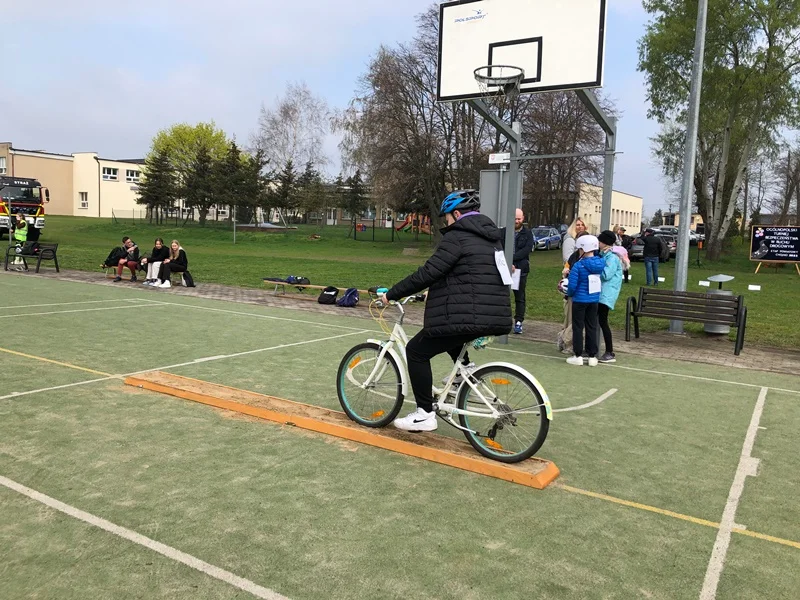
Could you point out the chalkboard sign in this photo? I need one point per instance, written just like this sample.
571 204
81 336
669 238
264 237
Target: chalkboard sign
775 244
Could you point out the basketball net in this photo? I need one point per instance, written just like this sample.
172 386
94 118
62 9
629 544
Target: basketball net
499 85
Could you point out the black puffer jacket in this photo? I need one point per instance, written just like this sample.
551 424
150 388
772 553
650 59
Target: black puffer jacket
466 293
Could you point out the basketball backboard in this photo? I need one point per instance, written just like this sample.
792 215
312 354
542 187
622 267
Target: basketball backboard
558 43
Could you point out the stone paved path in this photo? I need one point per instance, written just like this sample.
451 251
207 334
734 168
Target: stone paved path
717 350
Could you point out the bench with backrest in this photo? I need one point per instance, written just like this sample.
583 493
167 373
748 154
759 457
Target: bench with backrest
696 307
45 252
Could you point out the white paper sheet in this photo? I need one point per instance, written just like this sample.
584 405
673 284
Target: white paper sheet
502 266
594 284
515 277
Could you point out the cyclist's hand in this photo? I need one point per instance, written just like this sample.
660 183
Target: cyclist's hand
384 299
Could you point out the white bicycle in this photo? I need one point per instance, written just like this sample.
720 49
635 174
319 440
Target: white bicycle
502 409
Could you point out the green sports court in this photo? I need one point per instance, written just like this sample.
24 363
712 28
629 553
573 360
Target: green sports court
677 478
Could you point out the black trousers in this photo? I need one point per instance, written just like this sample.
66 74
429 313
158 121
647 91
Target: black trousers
602 318
584 316
167 268
419 352
519 298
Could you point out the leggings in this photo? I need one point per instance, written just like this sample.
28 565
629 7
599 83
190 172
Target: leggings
168 268
602 317
420 350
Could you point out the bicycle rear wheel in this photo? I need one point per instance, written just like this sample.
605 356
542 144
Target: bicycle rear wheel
378 403
522 426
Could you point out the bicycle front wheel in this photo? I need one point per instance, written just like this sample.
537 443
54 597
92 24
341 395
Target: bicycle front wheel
370 390
521 427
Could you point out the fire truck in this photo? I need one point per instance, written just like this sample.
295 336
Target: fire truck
21 195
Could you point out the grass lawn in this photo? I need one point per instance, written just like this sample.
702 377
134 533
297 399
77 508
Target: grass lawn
337 259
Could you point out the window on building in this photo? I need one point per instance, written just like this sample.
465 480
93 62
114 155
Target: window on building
2 165
221 211
132 175
110 174
84 198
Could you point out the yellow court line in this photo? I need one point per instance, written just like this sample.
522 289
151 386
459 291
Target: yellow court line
55 362
674 515
768 538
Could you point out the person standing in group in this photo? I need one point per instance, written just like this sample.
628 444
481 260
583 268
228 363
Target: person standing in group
584 289
576 229
175 263
523 246
652 252
611 284
569 256
627 243
153 262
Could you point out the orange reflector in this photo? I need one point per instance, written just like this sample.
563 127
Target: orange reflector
354 362
493 444
380 413
501 381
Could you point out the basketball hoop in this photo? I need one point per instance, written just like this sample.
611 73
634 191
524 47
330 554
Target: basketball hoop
499 80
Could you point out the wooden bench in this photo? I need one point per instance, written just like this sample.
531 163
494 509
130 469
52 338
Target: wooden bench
696 307
46 252
280 287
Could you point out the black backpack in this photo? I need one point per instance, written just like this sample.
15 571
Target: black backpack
188 281
328 295
349 299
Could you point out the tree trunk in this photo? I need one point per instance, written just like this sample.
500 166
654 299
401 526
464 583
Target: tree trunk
203 211
715 248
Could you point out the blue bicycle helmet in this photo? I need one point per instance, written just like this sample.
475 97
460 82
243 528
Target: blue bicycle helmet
462 200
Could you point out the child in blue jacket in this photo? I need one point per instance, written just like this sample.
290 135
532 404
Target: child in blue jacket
584 289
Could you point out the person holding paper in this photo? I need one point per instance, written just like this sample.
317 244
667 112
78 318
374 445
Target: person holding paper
467 280
523 246
611 279
584 289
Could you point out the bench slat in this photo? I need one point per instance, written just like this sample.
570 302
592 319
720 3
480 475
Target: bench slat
683 316
714 310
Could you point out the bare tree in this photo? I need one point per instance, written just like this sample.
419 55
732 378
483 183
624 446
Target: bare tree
295 129
558 123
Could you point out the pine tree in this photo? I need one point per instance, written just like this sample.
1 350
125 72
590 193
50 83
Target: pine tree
158 189
198 186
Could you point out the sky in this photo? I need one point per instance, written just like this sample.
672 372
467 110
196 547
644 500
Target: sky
87 75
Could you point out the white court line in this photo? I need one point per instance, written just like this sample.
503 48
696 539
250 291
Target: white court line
56 387
77 310
223 356
606 366
65 303
594 402
137 538
246 314
185 364
747 466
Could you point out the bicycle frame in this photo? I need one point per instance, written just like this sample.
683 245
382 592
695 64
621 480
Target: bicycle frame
396 347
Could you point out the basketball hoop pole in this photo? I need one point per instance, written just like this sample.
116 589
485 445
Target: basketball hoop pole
513 192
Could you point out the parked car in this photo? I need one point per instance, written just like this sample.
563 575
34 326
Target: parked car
637 249
671 241
546 238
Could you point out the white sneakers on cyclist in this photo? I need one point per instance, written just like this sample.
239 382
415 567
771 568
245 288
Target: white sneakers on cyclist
417 421
457 381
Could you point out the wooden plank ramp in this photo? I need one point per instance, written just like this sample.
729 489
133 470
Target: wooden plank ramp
534 472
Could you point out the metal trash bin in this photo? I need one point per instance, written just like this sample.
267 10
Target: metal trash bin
713 327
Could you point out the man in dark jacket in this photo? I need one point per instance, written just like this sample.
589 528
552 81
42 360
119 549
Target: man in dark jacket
523 246
467 298
653 250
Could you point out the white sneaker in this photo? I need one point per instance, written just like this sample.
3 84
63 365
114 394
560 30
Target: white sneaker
417 421
592 361
575 360
457 381
165 284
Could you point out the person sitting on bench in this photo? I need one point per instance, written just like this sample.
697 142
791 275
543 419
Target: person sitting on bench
121 257
153 263
175 263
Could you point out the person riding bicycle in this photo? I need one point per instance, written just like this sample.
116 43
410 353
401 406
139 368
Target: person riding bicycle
467 298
